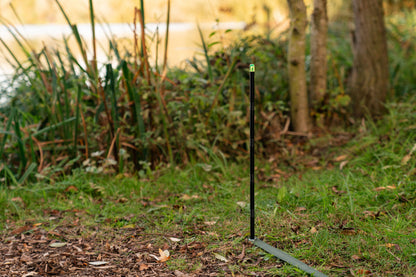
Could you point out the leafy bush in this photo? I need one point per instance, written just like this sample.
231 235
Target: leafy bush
120 116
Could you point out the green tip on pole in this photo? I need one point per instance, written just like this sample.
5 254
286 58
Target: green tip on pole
252 68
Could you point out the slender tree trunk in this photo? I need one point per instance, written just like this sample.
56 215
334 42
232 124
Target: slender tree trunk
319 30
370 75
296 63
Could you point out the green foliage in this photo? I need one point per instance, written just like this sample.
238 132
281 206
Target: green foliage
63 110
402 42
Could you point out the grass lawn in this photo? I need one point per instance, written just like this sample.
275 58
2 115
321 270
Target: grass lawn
349 213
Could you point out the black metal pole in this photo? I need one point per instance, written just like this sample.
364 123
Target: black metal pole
266 247
252 207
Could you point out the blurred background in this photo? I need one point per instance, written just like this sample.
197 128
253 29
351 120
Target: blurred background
44 23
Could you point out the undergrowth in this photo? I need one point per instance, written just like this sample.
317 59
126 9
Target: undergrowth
351 216
126 115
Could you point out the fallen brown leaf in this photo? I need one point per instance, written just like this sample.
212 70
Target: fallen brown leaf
98 263
129 226
143 267
32 273
51 232
180 274
385 188
369 214
406 158
348 232
186 197
338 265
17 199
22 229
362 271
341 158
164 256
220 257
242 204
57 244
392 245
336 191
342 164
241 256
71 189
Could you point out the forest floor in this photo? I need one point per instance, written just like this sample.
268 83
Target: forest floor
343 203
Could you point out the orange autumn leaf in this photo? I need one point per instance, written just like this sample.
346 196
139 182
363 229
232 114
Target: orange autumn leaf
164 255
363 271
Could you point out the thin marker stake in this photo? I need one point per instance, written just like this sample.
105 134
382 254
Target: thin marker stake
268 248
252 215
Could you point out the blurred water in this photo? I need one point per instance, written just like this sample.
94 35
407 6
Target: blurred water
184 41
105 30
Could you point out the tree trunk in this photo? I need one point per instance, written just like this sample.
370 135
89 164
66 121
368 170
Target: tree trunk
319 30
296 63
370 75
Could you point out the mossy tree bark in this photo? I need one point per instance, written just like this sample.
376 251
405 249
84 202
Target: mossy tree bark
296 66
319 30
370 76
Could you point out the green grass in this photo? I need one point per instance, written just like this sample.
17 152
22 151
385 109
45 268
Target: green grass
341 221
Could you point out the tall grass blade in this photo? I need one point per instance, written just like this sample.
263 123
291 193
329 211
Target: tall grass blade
165 56
205 47
145 57
19 38
157 51
136 106
15 13
77 119
109 89
165 122
54 126
19 65
32 148
20 144
72 60
62 64
27 173
114 48
6 133
10 174
142 51
76 34
81 47
94 42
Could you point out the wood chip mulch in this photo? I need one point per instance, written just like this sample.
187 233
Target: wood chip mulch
66 251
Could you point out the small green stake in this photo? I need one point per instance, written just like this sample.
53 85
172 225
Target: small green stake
252 68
